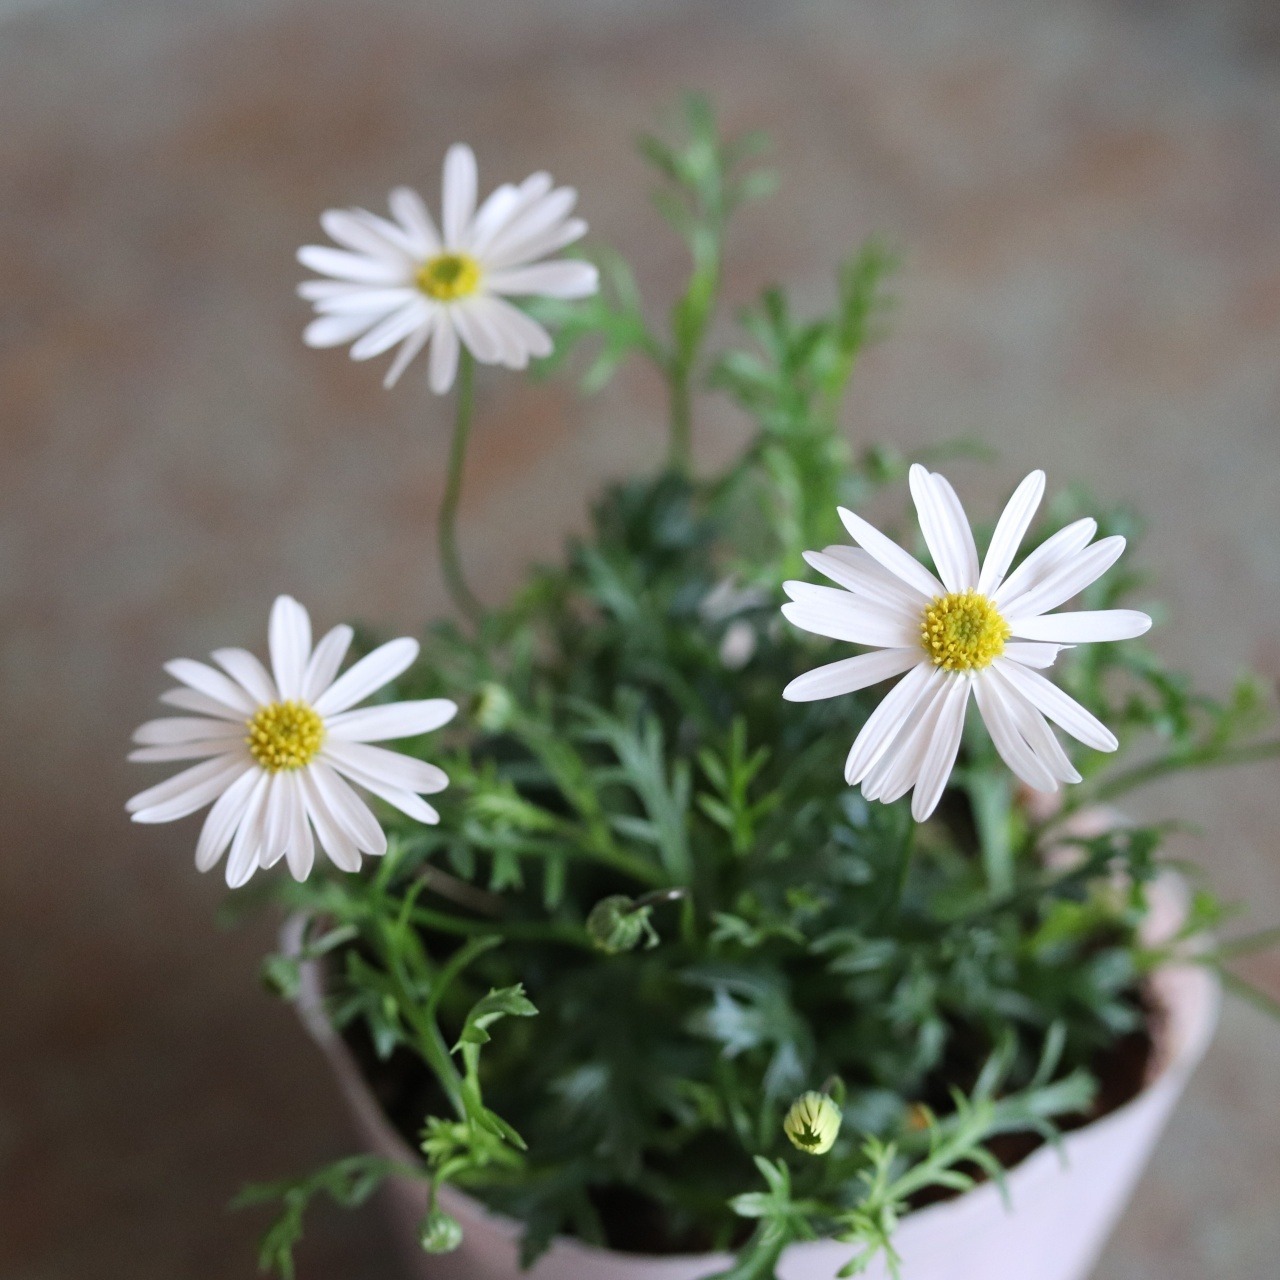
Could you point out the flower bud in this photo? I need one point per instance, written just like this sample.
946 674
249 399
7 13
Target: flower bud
618 923
812 1123
493 707
439 1232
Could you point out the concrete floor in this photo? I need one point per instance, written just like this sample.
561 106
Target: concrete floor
1089 197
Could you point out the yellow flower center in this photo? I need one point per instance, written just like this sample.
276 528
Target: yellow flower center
449 276
285 735
963 631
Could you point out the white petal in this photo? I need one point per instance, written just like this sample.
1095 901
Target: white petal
203 783
503 207
201 703
275 826
197 778
505 338
886 720
477 334
946 529
847 602
395 720
1031 654
495 211
410 348
944 745
1011 528
405 801
518 252
301 849
339 847
367 676
1083 627
242 861
521 335
366 302
899 767
412 245
399 325
223 820
1048 556
349 811
334 331
443 361
858 571
998 716
1060 707
367 234
182 751
1066 581
892 556
213 684
845 617
184 729
1036 733
246 670
330 290
376 766
534 217
567 278
850 674
356 267
526 236
289 639
325 661
458 194
412 213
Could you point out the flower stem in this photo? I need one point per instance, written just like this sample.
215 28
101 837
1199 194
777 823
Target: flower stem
680 456
448 527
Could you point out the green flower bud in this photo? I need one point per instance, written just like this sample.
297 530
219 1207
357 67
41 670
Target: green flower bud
493 707
812 1123
439 1233
619 923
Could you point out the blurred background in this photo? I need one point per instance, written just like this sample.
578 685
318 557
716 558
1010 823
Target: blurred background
1088 196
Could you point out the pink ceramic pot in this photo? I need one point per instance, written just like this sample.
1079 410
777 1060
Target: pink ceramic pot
1064 1204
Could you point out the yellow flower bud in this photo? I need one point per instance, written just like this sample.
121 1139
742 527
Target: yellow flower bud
812 1123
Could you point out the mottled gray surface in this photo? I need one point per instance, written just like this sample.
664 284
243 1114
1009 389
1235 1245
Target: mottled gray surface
1089 197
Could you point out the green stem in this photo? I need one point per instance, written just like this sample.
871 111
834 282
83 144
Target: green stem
1262 940
448 526
520 931
1247 992
990 794
431 1043
1209 757
903 869
680 457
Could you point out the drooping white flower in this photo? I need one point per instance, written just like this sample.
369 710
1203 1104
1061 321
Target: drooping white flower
979 630
402 281
280 749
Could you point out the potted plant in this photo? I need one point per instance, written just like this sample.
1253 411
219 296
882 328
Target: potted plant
678 981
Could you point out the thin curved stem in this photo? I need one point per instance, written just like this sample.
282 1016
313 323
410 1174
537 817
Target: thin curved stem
450 563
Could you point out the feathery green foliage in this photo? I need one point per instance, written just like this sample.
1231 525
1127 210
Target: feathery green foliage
647 847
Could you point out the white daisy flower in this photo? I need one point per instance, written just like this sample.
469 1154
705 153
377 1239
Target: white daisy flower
983 631
404 282
280 748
